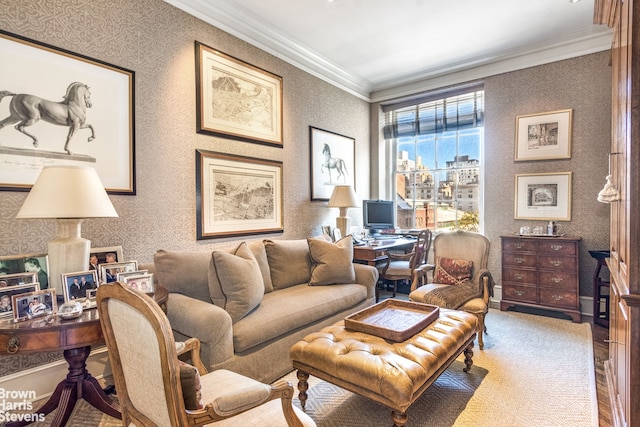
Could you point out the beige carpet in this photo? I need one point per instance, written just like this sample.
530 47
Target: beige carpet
534 371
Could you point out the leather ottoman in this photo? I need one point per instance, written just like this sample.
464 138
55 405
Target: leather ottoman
394 374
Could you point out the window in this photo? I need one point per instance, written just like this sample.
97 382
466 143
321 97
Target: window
438 143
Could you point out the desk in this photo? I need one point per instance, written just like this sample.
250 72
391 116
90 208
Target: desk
377 250
75 337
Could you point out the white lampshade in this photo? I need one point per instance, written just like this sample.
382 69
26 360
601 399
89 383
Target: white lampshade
69 194
343 197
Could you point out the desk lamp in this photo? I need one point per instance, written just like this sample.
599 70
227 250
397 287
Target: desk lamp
69 194
343 197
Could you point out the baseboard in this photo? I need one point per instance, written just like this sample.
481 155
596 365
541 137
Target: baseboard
42 380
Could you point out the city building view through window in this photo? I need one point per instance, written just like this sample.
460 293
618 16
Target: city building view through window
438 173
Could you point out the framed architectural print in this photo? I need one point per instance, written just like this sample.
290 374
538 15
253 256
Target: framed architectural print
544 136
80 111
237 196
545 196
237 99
332 162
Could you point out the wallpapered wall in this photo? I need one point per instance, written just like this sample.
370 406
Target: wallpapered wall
156 40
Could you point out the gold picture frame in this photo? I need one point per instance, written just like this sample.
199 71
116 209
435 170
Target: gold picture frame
544 136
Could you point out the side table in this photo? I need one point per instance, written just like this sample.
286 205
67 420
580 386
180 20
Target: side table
75 338
600 290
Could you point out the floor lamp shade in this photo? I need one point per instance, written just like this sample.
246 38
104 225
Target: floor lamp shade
343 197
69 194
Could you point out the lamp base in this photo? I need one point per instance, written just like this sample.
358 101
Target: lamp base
343 223
68 253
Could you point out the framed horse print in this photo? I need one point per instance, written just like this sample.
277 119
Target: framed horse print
59 107
332 162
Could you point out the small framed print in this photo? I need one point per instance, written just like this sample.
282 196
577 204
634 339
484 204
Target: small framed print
18 279
544 136
77 284
332 162
143 283
120 277
34 304
545 196
109 272
6 294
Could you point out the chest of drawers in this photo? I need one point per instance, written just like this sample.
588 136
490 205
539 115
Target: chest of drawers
541 272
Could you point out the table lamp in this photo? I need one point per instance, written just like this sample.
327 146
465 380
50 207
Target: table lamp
69 194
343 197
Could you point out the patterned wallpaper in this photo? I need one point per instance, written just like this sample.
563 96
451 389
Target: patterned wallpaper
156 40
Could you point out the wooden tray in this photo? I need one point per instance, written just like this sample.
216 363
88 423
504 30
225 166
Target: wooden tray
392 319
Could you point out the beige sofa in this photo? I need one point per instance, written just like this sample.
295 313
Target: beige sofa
250 304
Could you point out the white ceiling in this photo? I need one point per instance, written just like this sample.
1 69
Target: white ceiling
381 49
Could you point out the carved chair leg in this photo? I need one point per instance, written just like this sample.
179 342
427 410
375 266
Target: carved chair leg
303 386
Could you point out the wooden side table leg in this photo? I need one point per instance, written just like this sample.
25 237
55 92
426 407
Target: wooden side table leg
303 386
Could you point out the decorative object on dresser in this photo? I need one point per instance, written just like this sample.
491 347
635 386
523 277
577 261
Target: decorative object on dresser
541 272
69 194
343 197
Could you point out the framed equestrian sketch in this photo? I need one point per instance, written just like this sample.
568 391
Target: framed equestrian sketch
544 136
237 196
59 107
545 196
237 99
332 162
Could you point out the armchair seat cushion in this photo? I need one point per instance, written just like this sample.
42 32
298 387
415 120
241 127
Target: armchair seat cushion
230 392
292 308
446 296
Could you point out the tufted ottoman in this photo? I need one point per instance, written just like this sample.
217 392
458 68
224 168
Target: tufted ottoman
392 373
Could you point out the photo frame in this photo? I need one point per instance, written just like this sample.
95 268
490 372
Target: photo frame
120 277
108 273
236 99
27 263
101 256
18 279
332 162
104 139
544 136
544 196
30 305
143 283
237 195
6 294
77 284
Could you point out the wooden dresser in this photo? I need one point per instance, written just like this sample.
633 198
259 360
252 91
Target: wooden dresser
542 272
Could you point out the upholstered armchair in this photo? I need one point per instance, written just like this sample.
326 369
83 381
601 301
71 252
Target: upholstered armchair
461 279
408 266
156 389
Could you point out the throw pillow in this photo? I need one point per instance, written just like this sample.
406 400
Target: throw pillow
333 262
240 280
289 262
451 271
191 386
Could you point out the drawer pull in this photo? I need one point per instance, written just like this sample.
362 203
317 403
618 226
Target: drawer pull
518 276
519 293
556 298
518 245
13 345
519 260
556 279
555 262
556 247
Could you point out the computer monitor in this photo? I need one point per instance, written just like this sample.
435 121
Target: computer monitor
378 215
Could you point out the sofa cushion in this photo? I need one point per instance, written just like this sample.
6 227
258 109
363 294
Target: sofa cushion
333 262
451 271
184 272
286 310
289 262
257 249
237 283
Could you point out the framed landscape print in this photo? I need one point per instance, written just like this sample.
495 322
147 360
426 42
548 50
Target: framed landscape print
237 196
545 196
333 162
544 136
88 121
237 99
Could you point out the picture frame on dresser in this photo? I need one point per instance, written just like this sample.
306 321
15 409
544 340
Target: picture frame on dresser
543 196
76 285
30 305
6 294
100 135
237 99
544 136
